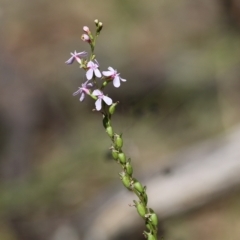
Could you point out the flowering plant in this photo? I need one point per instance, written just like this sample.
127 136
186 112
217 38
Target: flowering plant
105 105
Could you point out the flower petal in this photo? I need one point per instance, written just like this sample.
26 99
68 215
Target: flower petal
70 60
90 64
89 74
107 100
111 69
78 59
98 104
96 92
82 54
107 73
116 82
77 92
123 80
89 85
97 73
82 96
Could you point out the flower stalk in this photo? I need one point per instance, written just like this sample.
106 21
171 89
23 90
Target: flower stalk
105 105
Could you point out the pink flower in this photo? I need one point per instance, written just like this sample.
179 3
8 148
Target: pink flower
76 56
82 90
93 68
86 29
100 96
85 38
113 75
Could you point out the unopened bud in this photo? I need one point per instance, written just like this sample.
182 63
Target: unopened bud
85 38
149 236
112 108
129 169
96 22
100 26
122 158
105 83
154 219
106 121
149 227
125 179
115 154
109 131
118 141
145 197
141 209
138 186
86 29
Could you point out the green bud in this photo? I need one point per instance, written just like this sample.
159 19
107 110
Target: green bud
154 219
141 209
122 158
138 186
112 108
145 197
109 131
125 179
106 121
148 226
118 141
105 83
115 154
129 169
149 236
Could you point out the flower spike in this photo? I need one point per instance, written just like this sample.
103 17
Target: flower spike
105 106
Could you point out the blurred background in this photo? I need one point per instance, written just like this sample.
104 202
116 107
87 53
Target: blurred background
181 60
